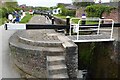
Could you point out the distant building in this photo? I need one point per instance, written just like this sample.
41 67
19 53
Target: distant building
64 4
112 4
68 6
23 6
83 1
114 0
56 11
71 7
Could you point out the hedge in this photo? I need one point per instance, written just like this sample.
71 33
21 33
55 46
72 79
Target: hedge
97 10
68 12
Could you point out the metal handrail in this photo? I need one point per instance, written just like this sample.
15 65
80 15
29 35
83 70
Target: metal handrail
98 27
88 19
70 31
111 35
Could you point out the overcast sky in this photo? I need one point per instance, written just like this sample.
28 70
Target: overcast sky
47 3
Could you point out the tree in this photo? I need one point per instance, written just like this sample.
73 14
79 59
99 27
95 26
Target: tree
97 10
11 4
83 3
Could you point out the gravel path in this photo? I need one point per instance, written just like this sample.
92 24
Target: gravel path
38 19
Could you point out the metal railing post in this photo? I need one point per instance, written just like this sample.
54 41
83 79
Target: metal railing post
78 29
52 20
112 29
5 26
70 30
98 31
67 23
102 20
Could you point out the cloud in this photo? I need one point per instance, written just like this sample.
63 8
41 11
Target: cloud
46 3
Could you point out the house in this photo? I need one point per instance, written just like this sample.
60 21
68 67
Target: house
83 0
112 4
23 6
71 7
64 4
114 0
83 3
56 11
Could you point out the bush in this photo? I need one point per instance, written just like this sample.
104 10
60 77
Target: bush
8 7
4 11
1 11
66 12
97 10
71 13
2 20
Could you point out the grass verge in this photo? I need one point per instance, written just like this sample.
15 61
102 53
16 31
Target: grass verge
76 20
26 18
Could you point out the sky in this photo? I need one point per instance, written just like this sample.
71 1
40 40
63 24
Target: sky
46 3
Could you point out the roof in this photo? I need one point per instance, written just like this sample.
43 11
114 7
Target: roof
112 4
64 4
71 7
83 0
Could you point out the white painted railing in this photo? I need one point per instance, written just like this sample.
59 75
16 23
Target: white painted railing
94 28
73 24
112 26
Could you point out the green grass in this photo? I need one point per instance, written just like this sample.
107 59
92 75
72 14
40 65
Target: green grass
59 16
76 20
87 22
27 18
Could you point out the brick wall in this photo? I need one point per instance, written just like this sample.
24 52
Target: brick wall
113 15
79 12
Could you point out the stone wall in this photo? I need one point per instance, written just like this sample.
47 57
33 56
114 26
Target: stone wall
71 56
102 64
31 58
59 21
102 60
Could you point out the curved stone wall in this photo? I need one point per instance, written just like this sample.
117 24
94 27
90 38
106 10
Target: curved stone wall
29 51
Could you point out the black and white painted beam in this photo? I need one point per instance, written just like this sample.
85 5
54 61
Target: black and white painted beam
12 26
